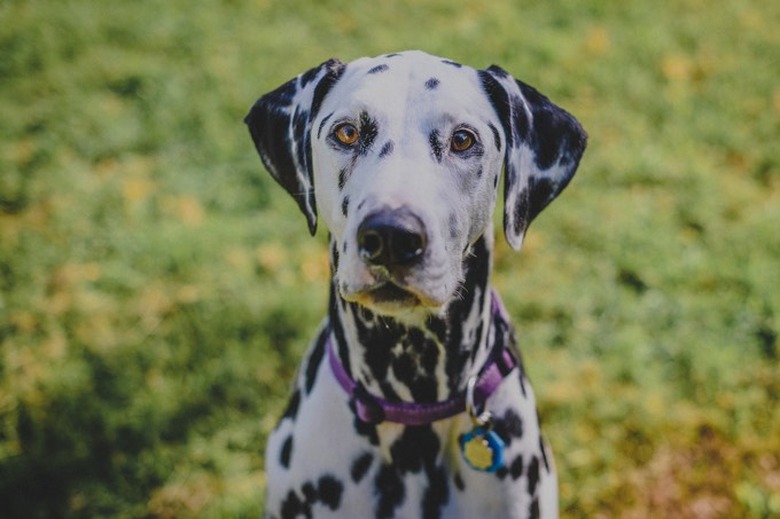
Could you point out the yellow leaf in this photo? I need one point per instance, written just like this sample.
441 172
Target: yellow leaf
597 42
135 190
676 68
189 211
271 256
315 266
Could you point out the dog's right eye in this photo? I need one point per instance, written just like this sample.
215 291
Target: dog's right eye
462 140
347 134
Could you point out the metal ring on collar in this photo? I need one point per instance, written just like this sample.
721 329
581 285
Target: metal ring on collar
478 417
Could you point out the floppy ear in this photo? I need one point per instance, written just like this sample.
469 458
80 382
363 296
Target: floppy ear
280 124
543 149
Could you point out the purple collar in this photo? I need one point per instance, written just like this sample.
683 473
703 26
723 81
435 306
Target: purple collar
372 409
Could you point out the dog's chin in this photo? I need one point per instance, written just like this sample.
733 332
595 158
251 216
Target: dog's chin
391 299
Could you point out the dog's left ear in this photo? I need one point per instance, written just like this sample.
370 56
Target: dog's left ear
543 149
280 125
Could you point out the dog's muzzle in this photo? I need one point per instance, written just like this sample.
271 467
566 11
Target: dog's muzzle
392 244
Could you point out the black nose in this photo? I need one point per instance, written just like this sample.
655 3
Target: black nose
391 238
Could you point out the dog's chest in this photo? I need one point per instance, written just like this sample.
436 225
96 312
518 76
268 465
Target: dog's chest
324 462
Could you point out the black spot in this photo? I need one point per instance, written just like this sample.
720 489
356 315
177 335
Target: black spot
542 191
335 69
343 177
292 405
509 426
300 127
386 150
546 146
533 510
419 352
436 493
436 147
428 350
479 173
309 492
521 377
330 490
365 314
557 136
368 132
360 466
388 391
378 69
327 491
390 490
500 101
453 225
393 55
364 429
451 63
549 126
521 124
309 76
345 206
314 361
423 388
502 473
415 448
335 257
498 71
438 326
496 136
432 83
520 210
533 475
544 455
286 453
458 480
293 507
378 341
516 468
322 124
335 305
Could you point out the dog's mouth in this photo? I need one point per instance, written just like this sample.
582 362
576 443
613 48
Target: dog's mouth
388 297
389 292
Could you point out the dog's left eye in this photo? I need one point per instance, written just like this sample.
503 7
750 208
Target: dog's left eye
462 140
347 134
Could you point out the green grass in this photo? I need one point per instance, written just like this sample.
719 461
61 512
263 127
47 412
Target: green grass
157 290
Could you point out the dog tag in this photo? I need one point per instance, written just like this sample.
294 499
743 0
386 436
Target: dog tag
482 449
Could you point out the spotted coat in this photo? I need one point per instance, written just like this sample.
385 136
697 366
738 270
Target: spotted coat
400 155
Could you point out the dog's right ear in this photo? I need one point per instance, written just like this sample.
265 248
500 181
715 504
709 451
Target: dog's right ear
280 125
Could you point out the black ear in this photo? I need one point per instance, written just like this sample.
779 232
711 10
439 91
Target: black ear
280 124
543 149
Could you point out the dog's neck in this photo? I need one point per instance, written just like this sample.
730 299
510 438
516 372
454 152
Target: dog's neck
419 363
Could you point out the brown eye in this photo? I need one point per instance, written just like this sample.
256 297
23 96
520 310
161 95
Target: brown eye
347 134
462 140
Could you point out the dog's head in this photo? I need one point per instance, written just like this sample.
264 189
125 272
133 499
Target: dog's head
401 157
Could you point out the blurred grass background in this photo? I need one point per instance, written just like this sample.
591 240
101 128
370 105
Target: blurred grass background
157 290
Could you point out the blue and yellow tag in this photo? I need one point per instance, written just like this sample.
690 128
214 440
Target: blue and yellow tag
482 449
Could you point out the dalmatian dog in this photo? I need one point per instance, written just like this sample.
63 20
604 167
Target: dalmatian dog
412 401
